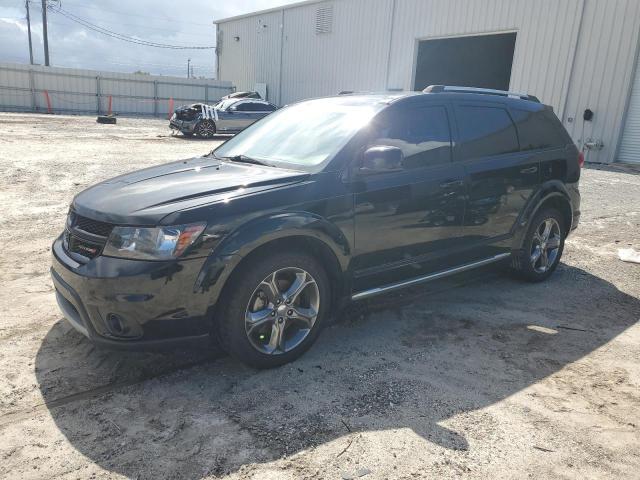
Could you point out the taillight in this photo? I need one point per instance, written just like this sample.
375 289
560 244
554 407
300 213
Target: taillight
581 159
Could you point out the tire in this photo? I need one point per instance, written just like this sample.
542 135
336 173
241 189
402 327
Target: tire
106 119
256 330
205 129
539 258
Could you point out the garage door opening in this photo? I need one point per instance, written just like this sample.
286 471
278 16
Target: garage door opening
482 61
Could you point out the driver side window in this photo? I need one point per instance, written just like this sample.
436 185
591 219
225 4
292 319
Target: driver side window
422 134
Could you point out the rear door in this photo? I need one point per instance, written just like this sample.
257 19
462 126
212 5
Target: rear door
242 115
407 221
261 110
499 177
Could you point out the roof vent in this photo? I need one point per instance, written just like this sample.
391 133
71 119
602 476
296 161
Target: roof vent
324 19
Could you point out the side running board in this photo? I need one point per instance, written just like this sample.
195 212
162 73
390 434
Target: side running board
427 278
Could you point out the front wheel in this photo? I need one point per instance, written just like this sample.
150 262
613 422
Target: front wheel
275 309
205 129
543 246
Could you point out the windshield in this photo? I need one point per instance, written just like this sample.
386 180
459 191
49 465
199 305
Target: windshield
304 134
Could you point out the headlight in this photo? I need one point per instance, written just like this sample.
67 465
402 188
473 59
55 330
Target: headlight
160 243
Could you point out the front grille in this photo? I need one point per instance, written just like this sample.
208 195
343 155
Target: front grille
86 237
88 225
83 247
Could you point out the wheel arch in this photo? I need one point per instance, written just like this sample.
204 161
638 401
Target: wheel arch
552 194
299 231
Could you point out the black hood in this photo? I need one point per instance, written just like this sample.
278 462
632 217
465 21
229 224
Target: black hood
146 196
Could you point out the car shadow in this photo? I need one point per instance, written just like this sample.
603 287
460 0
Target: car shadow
413 360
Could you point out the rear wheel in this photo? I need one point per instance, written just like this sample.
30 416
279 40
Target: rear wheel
275 310
543 246
205 129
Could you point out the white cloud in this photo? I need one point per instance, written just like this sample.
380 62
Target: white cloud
163 21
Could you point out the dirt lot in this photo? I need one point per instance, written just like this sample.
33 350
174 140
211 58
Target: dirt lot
492 378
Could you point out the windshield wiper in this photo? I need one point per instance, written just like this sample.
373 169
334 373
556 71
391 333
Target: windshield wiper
245 159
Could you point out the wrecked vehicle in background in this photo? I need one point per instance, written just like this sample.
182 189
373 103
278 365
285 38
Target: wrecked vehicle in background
227 116
241 95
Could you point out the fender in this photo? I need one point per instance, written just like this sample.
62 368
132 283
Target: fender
549 190
247 237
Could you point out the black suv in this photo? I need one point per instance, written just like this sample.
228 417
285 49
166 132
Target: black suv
324 201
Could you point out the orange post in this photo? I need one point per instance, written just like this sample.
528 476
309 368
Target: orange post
109 109
46 97
170 107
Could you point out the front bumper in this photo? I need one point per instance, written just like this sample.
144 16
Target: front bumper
183 126
130 303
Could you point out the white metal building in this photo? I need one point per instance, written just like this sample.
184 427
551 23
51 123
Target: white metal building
572 54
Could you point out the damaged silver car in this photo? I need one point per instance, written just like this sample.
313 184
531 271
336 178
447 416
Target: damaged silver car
228 116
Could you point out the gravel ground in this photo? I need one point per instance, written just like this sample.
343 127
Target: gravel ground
477 376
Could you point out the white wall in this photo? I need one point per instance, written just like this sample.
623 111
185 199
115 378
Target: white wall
572 54
255 56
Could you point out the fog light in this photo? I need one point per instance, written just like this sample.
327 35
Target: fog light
116 324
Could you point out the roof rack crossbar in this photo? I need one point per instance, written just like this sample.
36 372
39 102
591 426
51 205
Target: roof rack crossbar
485 91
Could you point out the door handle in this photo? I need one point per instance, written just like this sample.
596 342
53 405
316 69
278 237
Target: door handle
529 170
451 183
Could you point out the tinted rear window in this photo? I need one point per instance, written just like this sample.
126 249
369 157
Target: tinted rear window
485 131
245 107
538 130
262 107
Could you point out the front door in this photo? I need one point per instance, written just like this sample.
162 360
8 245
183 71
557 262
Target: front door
407 221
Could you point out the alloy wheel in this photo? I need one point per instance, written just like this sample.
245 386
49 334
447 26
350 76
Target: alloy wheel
282 311
546 245
206 129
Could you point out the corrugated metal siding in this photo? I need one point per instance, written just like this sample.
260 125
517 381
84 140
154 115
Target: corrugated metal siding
351 57
86 91
572 54
546 32
255 56
630 143
602 73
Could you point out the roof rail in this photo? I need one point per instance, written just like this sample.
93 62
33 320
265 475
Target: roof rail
484 91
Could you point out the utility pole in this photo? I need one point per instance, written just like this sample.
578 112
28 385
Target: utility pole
26 3
188 67
44 32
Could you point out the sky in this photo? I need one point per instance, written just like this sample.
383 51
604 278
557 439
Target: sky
174 22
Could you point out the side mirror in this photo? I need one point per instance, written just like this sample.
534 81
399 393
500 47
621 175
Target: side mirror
381 159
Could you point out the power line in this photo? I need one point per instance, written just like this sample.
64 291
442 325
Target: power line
147 27
144 27
146 17
125 38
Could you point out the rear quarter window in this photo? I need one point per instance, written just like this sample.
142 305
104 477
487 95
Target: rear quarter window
263 107
485 131
245 107
539 129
